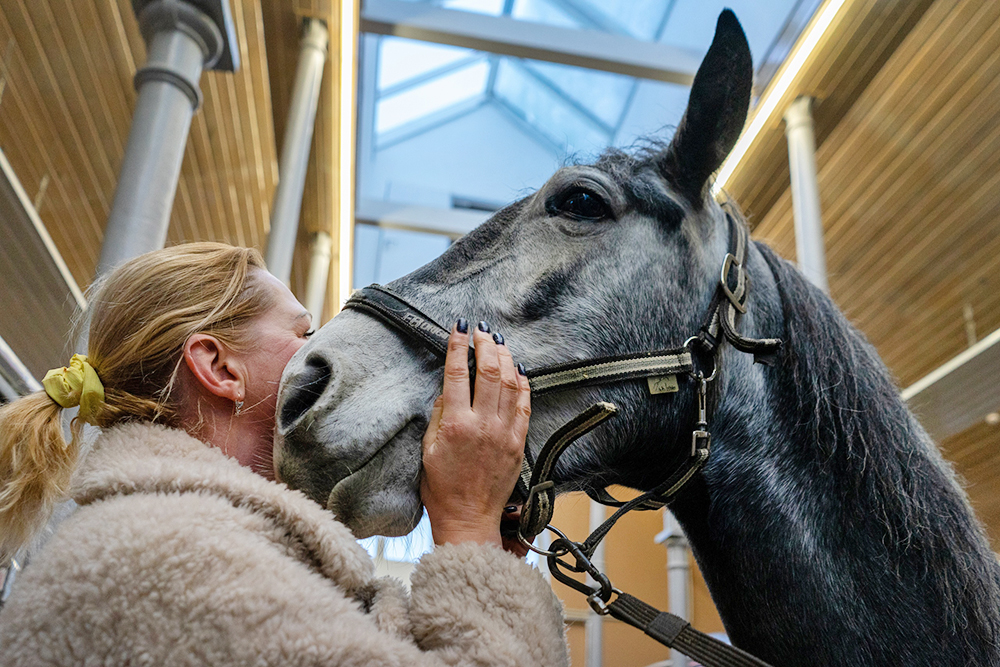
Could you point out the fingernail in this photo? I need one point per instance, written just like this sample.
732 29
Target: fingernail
510 509
462 326
498 338
484 327
522 370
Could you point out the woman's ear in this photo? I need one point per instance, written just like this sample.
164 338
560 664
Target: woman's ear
215 367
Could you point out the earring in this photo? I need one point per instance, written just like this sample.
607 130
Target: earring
239 406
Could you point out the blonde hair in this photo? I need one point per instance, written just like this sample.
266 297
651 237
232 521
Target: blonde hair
141 315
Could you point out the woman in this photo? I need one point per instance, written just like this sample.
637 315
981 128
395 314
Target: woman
184 552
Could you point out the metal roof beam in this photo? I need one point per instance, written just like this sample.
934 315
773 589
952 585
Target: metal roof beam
961 392
522 39
451 222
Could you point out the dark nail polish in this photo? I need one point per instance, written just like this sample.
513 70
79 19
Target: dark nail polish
510 509
498 338
484 327
462 326
522 370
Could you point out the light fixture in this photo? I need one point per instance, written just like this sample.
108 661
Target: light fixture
783 80
348 59
993 418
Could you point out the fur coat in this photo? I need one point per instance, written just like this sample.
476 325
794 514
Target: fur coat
177 555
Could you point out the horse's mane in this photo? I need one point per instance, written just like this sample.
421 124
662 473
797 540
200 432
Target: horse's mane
846 402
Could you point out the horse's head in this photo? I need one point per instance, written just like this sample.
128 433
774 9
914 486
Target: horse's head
619 256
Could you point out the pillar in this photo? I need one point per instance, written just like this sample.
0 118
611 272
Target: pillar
182 40
295 149
809 245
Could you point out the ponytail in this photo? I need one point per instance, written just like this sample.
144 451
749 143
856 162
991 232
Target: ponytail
140 317
36 464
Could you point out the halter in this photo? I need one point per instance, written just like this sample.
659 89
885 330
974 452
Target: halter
698 354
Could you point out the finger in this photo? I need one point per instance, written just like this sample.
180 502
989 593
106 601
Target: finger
522 410
487 372
430 435
456 369
509 387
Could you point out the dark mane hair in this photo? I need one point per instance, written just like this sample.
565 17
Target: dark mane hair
848 408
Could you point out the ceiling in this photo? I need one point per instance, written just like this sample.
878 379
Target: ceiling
908 158
907 125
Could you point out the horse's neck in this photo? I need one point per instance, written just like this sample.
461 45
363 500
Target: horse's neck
830 542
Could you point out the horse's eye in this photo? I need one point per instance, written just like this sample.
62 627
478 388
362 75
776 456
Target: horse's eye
582 205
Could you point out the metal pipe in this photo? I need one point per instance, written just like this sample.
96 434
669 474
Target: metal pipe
809 245
181 42
594 625
295 149
18 380
319 275
678 575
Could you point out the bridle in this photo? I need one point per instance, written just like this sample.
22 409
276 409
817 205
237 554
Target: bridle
697 359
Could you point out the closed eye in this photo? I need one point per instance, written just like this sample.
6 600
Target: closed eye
579 204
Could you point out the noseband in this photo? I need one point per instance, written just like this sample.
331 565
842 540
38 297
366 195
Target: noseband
697 359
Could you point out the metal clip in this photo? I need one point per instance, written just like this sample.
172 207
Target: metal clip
600 606
604 590
700 433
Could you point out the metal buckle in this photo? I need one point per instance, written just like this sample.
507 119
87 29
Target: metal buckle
727 265
700 437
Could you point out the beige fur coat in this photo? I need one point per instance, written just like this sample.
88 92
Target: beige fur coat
180 556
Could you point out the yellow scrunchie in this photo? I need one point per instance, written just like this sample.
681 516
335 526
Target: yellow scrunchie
76 385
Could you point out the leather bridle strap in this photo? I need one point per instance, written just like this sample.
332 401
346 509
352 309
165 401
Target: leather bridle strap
388 308
609 369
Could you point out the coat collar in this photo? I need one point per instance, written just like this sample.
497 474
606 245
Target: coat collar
148 458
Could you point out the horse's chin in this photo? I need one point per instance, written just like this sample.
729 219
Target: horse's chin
383 496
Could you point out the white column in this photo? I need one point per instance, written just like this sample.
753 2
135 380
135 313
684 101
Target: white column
295 149
181 41
805 191
678 575
320 256
594 625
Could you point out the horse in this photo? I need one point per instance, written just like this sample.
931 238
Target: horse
828 527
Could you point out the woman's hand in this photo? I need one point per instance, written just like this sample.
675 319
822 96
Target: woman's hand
473 448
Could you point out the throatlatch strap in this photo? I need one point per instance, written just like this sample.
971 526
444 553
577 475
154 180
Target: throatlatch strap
674 632
659 496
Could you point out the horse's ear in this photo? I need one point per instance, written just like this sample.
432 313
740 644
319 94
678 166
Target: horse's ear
717 109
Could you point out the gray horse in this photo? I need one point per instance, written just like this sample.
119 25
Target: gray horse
828 528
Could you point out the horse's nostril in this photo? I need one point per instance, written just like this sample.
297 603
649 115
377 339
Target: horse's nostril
305 389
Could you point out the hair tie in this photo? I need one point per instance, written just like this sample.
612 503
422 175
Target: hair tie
76 385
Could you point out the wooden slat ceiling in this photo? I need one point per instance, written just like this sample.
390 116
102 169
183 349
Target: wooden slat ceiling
909 171
67 103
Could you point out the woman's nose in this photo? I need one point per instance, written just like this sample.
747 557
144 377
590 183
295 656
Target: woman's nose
304 388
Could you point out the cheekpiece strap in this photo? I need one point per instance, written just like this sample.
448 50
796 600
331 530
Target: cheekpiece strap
730 302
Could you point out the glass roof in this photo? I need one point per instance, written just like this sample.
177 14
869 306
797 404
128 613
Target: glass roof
451 124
